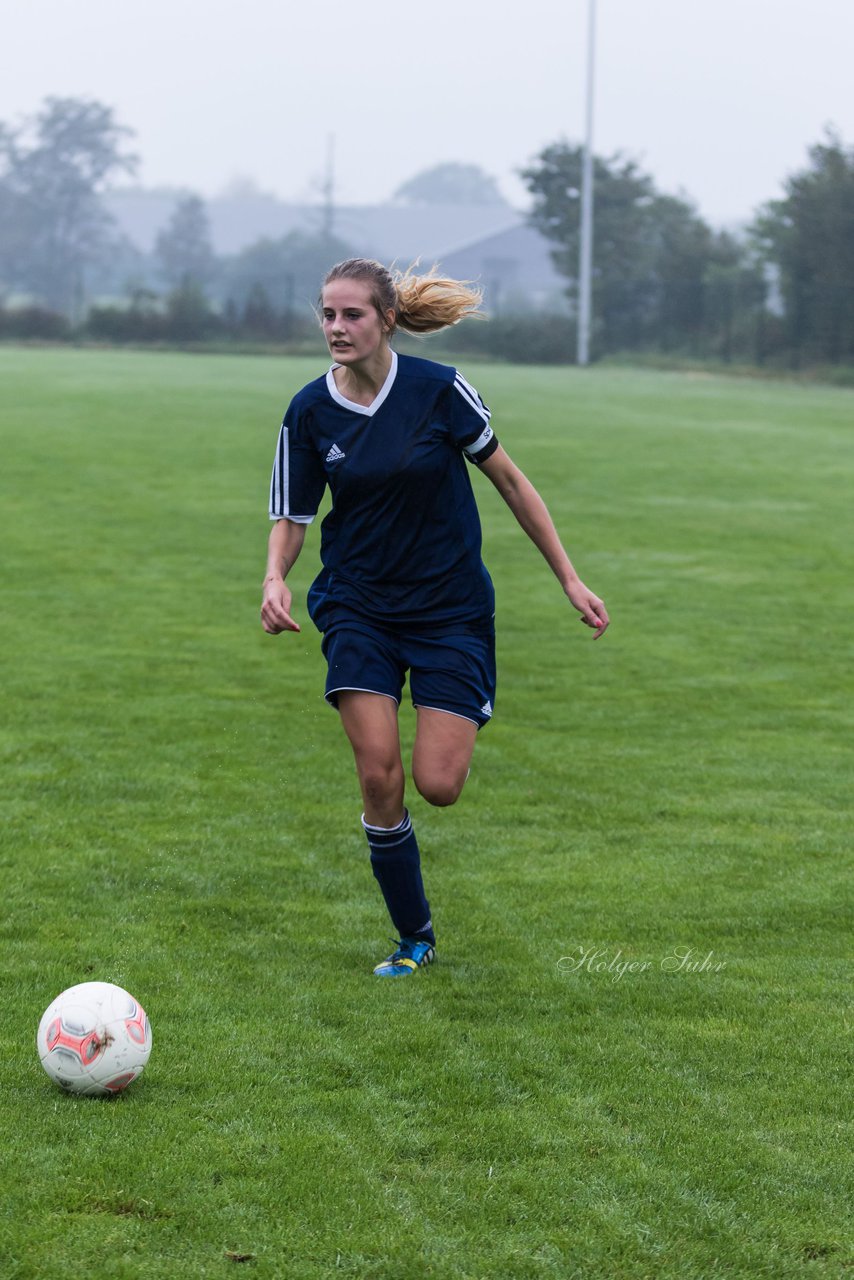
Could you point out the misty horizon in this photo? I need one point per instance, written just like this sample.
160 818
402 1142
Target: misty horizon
718 104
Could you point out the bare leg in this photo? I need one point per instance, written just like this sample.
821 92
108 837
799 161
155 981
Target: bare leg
442 754
370 722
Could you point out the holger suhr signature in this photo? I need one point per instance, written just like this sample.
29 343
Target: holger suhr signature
677 960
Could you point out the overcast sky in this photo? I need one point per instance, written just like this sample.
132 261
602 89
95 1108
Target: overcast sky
718 99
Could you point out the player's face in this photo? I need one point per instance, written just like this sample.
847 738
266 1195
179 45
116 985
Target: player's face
352 325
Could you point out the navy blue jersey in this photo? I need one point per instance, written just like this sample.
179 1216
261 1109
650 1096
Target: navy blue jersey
401 546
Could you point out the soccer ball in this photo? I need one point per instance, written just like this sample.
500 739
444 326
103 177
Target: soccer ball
94 1039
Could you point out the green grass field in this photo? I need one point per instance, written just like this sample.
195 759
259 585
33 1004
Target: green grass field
180 815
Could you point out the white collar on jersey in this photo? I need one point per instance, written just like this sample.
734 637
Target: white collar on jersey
368 409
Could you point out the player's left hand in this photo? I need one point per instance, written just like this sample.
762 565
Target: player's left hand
592 609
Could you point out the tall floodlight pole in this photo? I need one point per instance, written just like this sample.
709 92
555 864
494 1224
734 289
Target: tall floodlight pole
585 248
329 189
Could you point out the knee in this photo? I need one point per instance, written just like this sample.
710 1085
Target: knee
380 780
440 790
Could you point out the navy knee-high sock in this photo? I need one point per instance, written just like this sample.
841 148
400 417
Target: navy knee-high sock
396 863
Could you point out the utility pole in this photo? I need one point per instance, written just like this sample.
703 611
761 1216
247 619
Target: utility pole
329 189
585 248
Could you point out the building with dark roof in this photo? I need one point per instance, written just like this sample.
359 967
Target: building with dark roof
488 243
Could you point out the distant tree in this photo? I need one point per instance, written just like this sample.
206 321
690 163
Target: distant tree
33 322
259 319
143 320
651 251
450 183
183 248
289 271
52 223
808 236
189 317
735 289
118 271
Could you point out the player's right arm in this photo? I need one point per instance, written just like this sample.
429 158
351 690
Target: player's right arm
296 487
286 539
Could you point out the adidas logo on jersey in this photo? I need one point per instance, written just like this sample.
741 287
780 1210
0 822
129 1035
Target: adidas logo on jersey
486 709
335 454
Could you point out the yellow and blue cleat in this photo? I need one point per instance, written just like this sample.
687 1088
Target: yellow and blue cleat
410 955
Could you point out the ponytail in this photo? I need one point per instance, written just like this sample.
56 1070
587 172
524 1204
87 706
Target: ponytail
421 304
430 302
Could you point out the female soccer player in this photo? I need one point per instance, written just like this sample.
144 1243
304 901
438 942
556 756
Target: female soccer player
403 587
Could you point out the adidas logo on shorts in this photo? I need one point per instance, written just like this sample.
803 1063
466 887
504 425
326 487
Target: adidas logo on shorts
335 454
486 709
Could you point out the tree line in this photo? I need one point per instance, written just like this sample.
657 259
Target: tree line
59 248
780 291
665 281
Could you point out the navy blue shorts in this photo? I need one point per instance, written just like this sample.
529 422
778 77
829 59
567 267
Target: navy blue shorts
447 673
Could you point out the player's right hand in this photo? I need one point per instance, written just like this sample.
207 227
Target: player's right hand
276 608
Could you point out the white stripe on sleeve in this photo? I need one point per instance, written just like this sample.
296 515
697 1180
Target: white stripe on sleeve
469 394
280 484
279 478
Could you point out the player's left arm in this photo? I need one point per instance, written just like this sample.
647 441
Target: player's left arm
533 515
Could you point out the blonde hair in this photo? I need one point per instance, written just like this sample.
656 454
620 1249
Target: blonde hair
421 304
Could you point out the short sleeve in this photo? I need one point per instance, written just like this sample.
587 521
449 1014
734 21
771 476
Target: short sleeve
298 479
470 422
